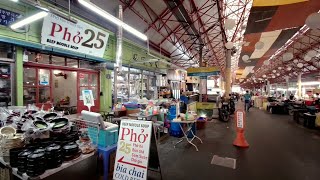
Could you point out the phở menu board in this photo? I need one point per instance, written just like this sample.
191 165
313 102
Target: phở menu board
133 150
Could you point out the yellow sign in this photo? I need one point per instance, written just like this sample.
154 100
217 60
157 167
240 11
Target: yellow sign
203 71
275 2
205 105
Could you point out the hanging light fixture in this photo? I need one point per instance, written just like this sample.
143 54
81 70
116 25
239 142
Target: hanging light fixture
312 53
295 61
287 56
112 19
29 20
299 65
313 21
229 45
307 58
289 68
274 71
279 68
245 57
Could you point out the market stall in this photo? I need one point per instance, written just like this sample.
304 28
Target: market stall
38 144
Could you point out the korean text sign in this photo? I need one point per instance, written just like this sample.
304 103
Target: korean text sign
133 150
79 37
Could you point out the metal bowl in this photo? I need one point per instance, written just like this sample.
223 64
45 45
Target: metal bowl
50 116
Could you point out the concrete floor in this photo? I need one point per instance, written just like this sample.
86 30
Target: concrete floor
279 150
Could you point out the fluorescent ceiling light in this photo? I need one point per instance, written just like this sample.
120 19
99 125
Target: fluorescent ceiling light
29 20
101 12
14 0
113 19
134 32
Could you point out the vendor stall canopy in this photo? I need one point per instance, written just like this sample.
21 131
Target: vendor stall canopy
281 40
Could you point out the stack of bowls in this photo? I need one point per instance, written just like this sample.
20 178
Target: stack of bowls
71 151
54 156
22 160
14 156
36 163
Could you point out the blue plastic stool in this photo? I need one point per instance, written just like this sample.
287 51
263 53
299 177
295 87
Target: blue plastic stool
104 154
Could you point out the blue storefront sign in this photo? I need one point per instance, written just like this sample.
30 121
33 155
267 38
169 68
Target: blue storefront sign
7 17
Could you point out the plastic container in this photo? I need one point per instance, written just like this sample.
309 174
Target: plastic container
107 137
171 117
175 130
201 123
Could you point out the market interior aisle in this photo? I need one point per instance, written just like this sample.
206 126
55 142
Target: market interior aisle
279 150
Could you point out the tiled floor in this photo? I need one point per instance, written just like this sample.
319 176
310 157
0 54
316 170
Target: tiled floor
279 150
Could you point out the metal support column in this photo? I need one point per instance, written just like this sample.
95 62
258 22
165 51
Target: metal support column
287 87
203 80
299 86
268 88
141 85
228 74
118 67
115 83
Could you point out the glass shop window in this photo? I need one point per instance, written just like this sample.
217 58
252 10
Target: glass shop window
38 57
87 64
5 84
6 51
6 75
29 78
88 81
36 86
73 63
59 61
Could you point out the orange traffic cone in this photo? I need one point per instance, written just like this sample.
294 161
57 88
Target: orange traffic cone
240 140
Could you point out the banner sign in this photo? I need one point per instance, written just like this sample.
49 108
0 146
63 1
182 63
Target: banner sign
80 37
203 71
7 17
133 150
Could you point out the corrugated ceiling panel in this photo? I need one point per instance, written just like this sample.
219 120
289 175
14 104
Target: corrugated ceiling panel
130 18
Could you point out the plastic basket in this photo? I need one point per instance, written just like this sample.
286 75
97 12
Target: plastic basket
106 137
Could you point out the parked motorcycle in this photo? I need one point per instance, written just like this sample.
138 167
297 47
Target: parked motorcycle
224 114
227 109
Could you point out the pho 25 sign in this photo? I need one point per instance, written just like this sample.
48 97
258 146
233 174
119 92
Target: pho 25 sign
133 150
79 37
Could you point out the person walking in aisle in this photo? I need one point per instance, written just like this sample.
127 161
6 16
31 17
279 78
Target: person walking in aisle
247 99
